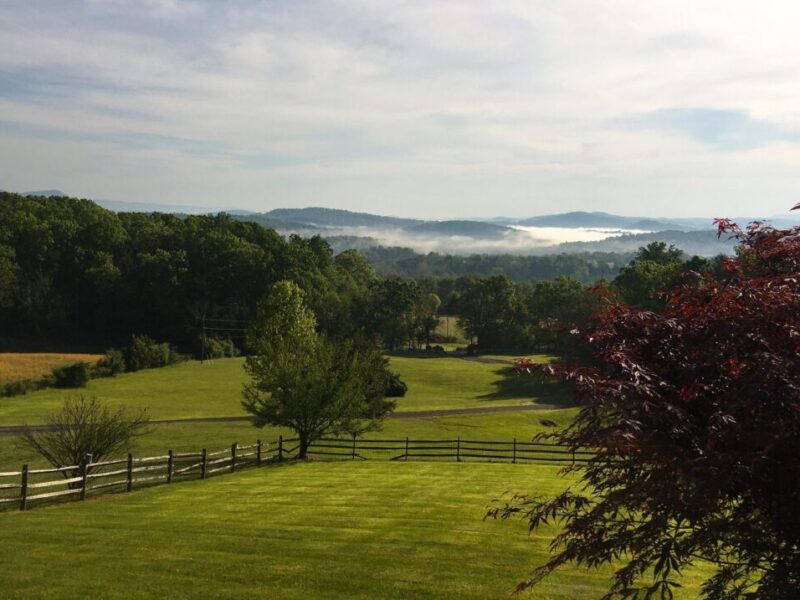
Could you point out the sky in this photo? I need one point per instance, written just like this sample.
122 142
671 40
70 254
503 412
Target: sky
426 109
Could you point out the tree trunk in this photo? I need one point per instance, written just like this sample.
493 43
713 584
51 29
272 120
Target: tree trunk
304 443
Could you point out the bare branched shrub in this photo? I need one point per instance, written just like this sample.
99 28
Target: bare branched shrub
84 426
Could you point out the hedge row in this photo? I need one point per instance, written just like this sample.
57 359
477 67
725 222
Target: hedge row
141 353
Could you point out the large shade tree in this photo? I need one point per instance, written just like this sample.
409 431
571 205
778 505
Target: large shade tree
695 415
305 381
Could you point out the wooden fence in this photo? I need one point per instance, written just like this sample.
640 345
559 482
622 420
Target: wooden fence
462 450
22 488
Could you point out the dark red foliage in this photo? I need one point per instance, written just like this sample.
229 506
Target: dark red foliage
695 412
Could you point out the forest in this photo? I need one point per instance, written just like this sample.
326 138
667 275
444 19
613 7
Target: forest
75 273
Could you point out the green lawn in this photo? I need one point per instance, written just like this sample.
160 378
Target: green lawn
213 389
319 530
445 382
188 437
347 529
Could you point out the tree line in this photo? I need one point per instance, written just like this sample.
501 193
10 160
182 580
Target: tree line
585 267
73 272
500 313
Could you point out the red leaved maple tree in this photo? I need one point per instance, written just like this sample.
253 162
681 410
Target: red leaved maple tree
695 415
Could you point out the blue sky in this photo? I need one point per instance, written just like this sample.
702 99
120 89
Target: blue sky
435 109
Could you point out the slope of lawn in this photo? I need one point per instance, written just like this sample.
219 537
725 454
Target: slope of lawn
450 382
213 389
318 530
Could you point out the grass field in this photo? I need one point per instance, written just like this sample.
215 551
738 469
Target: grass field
16 366
195 436
317 530
213 389
347 529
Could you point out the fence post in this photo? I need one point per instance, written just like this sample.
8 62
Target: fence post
406 454
354 446
458 449
170 465
233 456
258 453
23 494
573 457
203 464
129 485
514 452
85 474
280 447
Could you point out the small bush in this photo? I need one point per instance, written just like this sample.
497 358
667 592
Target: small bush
215 347
23 386
395 387
16 388
45 382
111 364
74 375
145 353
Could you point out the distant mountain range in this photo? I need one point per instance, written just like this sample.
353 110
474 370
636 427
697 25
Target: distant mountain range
335 217
576 231
331 217
337 221
600 220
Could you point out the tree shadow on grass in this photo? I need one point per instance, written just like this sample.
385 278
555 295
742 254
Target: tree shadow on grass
538 388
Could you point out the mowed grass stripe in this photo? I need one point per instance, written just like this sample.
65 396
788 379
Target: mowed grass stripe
315 530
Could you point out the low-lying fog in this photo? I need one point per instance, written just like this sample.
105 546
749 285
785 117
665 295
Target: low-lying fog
515 240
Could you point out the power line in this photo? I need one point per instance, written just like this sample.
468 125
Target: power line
227 320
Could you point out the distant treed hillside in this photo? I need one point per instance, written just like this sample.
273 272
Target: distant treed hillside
534 236
599 220
330 217
587 267
701 243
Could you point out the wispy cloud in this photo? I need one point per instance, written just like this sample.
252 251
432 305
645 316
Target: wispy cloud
723 129
421 108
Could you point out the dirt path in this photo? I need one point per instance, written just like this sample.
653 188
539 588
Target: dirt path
487 360
417 414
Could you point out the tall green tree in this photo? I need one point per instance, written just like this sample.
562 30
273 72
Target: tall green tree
305 381
492 310
654 269
559 306
393 314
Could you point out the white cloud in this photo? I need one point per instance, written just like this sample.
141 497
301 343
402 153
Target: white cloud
415 108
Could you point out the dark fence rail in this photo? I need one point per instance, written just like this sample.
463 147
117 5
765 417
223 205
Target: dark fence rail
23 488
405 449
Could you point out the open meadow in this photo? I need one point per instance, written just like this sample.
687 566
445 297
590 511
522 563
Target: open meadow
213 388
346 529
316 530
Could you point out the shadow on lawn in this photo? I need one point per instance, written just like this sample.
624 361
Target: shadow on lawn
540 389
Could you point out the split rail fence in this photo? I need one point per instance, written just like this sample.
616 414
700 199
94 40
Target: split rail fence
26 487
